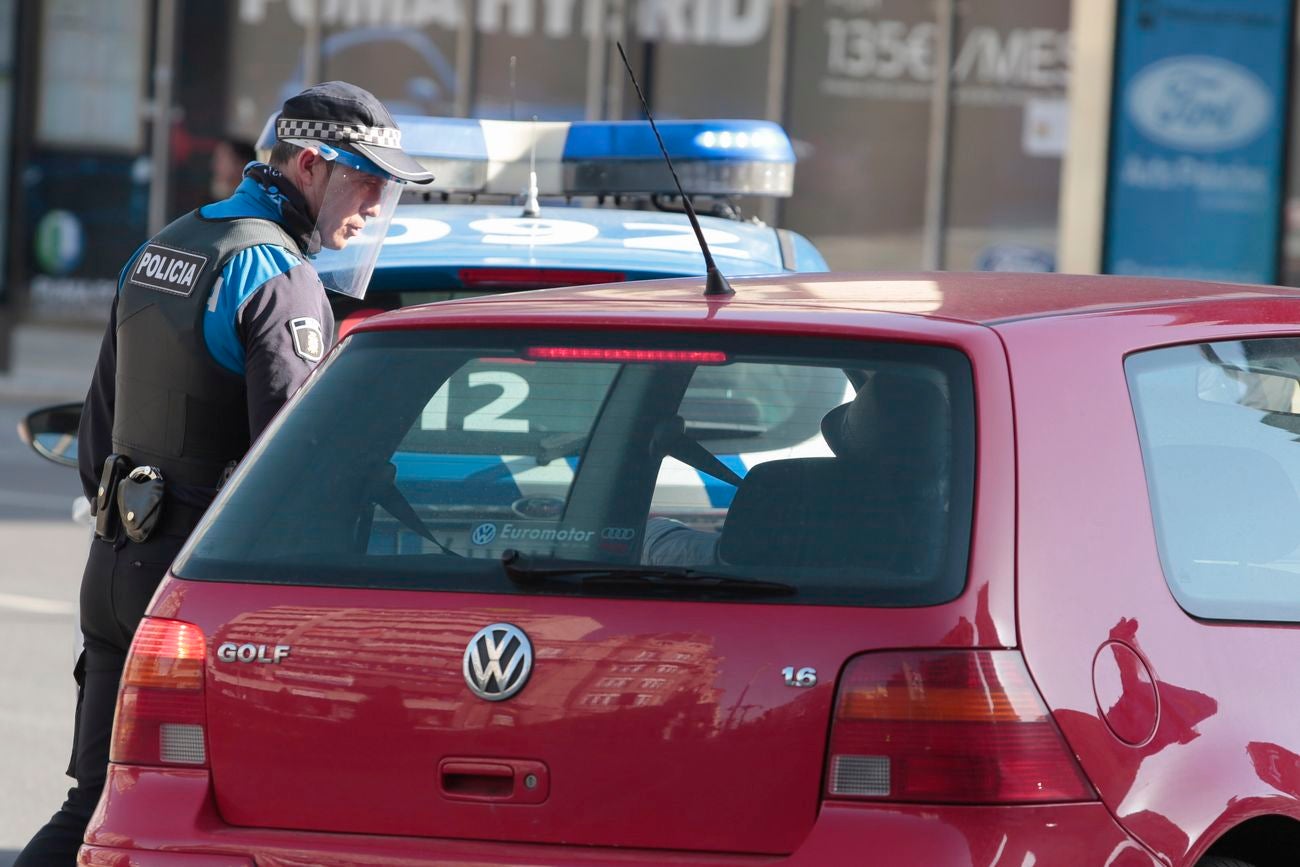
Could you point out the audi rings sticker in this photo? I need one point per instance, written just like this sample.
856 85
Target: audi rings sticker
164 269
483 534
617 540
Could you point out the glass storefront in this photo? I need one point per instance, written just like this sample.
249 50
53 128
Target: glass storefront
8 21
404 52
852 81
1009 130
85 185
853 86
859 109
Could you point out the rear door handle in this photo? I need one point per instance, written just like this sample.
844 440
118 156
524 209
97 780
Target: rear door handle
493 780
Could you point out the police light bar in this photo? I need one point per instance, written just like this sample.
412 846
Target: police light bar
712 157
593 158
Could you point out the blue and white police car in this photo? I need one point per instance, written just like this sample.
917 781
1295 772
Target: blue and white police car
523 205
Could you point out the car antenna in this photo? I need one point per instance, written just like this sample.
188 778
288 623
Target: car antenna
532 208
714 282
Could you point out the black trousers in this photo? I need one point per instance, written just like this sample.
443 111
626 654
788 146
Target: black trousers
115 590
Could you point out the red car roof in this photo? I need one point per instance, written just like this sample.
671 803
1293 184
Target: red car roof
981 298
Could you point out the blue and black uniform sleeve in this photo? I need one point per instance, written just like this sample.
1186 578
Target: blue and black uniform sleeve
269 320
286 329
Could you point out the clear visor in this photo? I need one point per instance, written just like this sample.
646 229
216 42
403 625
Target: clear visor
353 221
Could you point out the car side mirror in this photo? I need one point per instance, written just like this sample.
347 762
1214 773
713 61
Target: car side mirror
52 432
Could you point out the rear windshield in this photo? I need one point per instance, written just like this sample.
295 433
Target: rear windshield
420 460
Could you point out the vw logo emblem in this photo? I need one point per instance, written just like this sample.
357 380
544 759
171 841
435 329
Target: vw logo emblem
498 660
483 534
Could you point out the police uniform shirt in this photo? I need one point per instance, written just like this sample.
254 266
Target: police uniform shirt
267 319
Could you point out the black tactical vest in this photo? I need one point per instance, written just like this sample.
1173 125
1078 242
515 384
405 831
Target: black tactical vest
176 408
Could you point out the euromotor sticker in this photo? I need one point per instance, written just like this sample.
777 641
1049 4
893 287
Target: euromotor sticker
487 533
1198 131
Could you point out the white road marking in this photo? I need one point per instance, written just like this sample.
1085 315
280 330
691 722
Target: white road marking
36 605
44 501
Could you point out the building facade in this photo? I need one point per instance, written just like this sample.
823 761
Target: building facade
109 111
852 80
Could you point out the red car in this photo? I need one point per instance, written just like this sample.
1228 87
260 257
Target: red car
1029 596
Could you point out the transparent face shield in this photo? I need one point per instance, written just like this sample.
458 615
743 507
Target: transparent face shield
353 221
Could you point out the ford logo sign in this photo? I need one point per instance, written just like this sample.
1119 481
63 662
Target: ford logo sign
1199 103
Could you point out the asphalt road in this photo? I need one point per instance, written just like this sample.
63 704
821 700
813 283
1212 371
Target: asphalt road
42 553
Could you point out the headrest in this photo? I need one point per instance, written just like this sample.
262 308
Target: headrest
890 411
795 511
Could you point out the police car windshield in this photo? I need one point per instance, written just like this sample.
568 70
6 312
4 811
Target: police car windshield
418 459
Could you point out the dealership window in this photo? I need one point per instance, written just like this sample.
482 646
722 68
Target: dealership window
861 82
85 176
92 75
412 69
1010 67
266 60
858 110
536 36
852 80
692 41
404 53
1219 425
8 16
1290 252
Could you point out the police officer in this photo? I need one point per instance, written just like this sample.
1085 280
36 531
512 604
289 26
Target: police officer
217 321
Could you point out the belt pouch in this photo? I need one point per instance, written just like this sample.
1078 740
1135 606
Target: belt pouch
140 503
115 469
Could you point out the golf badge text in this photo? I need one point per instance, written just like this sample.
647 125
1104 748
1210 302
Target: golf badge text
232 652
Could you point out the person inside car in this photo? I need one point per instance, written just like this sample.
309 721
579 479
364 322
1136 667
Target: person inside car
881 429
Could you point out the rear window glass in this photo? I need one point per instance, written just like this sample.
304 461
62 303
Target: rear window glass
428 460
1219 425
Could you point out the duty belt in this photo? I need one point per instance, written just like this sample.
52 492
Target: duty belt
138 502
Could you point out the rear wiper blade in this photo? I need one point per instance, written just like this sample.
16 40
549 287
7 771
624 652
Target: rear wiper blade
529 573
689 579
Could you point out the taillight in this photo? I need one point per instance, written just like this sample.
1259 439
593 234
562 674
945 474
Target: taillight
160 713
955 726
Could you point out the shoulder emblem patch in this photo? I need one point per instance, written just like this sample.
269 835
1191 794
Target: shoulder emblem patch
308 341
165 269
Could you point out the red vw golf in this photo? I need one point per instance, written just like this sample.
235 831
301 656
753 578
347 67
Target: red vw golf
987 570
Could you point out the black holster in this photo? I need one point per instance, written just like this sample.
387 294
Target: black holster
115 469
140 502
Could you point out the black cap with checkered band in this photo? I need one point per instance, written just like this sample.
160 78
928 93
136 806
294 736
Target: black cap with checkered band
345 116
